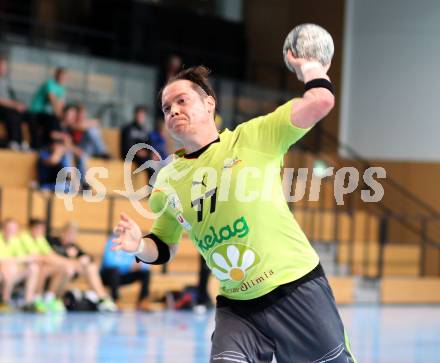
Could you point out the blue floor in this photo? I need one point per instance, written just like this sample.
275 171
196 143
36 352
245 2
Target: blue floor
389 334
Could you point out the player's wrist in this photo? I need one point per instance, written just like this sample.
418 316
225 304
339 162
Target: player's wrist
140 248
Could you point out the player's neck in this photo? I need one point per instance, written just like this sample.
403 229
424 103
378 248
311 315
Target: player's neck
199 141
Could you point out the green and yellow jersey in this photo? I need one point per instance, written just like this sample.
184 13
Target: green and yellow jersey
35 246
4 253
230 200
12 248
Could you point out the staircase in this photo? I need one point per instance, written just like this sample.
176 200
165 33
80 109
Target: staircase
370 240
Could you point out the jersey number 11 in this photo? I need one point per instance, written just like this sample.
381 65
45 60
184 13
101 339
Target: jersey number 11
198 203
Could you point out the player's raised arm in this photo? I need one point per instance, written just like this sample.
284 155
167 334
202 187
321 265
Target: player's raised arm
308 50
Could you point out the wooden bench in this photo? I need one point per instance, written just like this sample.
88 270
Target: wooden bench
19 169
343 289
408 290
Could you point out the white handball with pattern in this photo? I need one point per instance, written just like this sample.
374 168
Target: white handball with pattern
310 42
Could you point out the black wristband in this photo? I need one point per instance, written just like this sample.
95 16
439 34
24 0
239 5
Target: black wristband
163 251
319 83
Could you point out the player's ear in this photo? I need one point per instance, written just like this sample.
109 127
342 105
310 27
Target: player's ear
210 103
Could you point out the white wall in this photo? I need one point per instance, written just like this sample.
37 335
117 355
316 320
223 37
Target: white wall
390 102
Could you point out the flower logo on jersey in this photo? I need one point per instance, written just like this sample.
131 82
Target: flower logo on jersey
231 261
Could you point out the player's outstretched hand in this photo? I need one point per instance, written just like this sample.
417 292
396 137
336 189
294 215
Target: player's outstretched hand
128 235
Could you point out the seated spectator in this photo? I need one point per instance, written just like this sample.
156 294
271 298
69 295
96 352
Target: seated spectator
12 112
168 69
157 139
60 154
53 267
86 134
4 256
134 133
120 268
67 123
47 109
83 264
17 266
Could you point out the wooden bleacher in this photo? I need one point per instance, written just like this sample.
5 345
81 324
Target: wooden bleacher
343 288
13 204
111 137
410 290
398 260
402 260
18 169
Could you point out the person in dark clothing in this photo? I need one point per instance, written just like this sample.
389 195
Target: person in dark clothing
12 112
169 68
134 133
158 140
119 269
50 162
61 153
66 246
86 134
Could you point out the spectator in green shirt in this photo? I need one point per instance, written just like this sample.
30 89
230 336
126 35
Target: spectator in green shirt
46 109
16 265
58 269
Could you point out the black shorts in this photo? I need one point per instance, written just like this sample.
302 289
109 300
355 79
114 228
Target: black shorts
297 322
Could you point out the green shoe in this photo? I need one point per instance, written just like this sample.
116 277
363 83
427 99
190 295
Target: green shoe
34 307
55 306
39 306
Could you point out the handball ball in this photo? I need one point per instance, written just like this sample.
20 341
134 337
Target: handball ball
309 41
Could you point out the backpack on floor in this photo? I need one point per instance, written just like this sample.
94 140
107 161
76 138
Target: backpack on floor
77 300
182 300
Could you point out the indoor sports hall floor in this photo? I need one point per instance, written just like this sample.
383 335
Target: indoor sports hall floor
379 334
